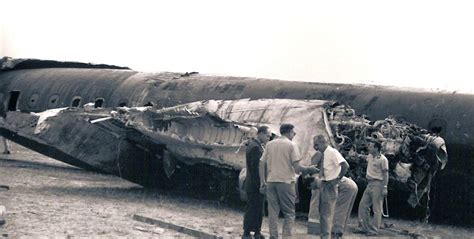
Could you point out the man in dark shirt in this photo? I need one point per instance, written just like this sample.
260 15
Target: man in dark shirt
255 200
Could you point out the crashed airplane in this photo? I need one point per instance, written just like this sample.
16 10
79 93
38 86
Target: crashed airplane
170 129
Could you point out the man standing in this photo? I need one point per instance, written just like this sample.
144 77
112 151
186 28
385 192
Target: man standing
4 142
347 193
377 181
255 200
6 147
333 168
278 166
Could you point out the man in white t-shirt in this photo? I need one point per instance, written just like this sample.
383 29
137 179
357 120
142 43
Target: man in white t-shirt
333 168
347 193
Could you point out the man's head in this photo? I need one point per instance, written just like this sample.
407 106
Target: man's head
288 131
375 147
320 143
263 134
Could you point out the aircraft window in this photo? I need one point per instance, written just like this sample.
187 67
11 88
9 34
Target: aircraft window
12 103
122 102
99 102
76 101
33 100
53 101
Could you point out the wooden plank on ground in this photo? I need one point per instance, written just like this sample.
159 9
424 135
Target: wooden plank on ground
172 226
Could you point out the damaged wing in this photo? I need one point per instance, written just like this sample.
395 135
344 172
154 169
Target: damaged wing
147 145
142 144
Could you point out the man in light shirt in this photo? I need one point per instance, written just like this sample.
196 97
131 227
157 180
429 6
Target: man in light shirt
278 167
377 181
333 168
347 192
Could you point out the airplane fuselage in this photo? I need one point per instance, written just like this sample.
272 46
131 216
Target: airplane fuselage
35 90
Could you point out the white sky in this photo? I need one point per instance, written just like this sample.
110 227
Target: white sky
424 44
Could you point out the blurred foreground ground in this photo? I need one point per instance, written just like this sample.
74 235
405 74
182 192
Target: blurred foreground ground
48 198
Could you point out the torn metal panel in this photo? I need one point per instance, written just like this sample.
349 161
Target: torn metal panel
213 131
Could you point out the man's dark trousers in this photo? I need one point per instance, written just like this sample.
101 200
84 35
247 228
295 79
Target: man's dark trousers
254 212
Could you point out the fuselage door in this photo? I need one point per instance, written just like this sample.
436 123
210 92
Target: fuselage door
13 102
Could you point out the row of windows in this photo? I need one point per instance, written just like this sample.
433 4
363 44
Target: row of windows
54 101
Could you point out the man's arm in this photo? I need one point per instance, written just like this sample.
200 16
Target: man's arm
344 168
385 176
316 159
385 182
254 156
304 169
342 162
262 171
295 162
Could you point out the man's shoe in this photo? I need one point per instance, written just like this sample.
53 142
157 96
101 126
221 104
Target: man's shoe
336 235
258 236
371 234
246 235
360 231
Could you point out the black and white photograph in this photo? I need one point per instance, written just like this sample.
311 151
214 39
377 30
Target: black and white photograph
236 119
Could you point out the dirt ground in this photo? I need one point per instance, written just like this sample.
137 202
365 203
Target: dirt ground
47 198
